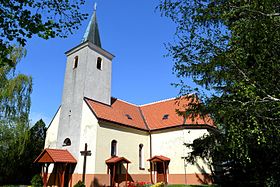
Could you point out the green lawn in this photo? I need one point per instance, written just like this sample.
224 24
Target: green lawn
184 185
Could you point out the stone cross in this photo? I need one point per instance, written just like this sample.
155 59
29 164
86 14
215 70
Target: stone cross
85 153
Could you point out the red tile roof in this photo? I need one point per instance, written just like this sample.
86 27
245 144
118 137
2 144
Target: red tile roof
159 158
149 116
154 114
55 156
116 159
117 112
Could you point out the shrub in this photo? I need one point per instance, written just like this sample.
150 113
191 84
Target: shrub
36 181
79 184
160 184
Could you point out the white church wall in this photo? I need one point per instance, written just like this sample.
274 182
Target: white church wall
83 80
72 102
88 133
128 141
98 82
51 136
170 143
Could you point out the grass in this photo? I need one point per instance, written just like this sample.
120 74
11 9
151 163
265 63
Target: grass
184 185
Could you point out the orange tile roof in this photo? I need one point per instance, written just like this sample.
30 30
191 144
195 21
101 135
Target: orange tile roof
55 156
159 158
149 116
117 112
116 159
154 114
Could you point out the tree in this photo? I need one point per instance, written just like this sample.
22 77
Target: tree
34 147
19 144
37 138
231 49
20 163
22 19
15 93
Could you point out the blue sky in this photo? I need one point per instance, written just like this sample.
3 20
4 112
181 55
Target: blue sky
131 30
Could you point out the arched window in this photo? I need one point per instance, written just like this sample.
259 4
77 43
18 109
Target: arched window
99 63
76 60
66 142
114 148
141 156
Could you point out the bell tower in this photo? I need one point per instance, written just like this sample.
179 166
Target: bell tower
88 74
89 68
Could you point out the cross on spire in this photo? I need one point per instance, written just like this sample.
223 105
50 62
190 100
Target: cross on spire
92 32
95 6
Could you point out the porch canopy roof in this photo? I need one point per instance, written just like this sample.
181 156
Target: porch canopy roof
159 158
116 159
55 156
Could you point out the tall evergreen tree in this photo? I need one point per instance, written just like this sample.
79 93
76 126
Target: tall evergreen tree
35 146
231 49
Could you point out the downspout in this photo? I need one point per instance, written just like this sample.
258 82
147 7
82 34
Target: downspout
149 130
150 135
151 165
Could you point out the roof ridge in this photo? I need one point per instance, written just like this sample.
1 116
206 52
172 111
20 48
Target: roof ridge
168 99
126 102
160 101
54 149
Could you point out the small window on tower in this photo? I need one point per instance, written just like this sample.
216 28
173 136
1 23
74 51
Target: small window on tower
76 60
99 63
66 142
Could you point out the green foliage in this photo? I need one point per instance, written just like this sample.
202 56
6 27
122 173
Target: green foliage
15 93
19 145
37 181
37 134
79 184
21 19
231 51
185 185
35 146
160 184
15 90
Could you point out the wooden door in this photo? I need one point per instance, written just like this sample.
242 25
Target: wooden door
160 171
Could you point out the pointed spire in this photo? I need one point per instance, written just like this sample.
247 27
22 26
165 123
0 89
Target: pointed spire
92 32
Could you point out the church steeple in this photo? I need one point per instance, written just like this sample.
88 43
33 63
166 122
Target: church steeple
88 75
92 32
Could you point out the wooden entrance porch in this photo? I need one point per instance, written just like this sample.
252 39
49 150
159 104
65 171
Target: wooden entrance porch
63 166
114 168
159 164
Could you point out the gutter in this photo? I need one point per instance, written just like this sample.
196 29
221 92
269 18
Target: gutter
149 130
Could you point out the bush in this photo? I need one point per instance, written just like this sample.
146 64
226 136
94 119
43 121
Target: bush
36 181
160 184
80 184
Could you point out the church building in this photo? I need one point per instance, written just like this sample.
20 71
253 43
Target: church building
105 141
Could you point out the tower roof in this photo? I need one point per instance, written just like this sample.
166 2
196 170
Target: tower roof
92 32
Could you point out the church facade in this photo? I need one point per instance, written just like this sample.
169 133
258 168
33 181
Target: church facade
105 141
